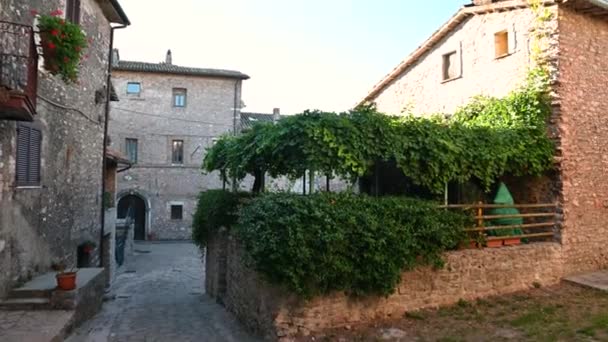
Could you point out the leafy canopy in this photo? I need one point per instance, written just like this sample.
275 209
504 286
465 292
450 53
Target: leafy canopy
483 140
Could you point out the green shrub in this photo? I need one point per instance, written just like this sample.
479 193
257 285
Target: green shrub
215 209
344 242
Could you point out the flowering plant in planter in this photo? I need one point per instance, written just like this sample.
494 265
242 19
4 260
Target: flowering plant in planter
63 45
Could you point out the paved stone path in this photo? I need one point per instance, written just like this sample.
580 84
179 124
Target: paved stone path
163 300
595 280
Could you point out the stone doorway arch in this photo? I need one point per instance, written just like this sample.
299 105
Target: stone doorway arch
134 206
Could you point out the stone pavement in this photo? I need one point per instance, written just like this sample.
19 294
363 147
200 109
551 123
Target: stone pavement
163 300
34 326
596 280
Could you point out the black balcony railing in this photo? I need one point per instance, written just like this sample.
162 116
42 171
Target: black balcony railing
18 72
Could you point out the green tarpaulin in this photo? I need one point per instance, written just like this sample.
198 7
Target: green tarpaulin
503 196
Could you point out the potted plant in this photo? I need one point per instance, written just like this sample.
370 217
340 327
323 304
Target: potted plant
88 247
63 44
66 279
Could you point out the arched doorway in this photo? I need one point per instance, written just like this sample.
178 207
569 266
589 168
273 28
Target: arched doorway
134 207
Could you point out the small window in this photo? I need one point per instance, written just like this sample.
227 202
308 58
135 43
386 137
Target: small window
177 211
29 143
133 88
72 11
501 44
177 152
131 149
179 97
450 66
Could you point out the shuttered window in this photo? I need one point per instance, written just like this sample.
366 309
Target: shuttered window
72 11
29 141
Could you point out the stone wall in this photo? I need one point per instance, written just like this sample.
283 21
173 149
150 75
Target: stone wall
38 224
468 274
154 122
421 90
583 67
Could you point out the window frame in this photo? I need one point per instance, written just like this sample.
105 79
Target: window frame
175 157
130 93
33 177
134 141
445 67
181 211
180 92
72 11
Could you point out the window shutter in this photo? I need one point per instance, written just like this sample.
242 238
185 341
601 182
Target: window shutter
33 176
23 142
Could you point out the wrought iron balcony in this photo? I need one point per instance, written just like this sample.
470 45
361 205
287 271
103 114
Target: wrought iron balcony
18 72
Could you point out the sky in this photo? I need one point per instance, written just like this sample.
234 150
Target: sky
300 54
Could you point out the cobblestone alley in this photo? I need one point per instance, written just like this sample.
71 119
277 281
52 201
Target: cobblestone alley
161 298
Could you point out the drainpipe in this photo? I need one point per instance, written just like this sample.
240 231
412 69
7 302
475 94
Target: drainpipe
105 142
235 121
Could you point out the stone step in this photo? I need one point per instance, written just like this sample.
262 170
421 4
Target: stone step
29 293
14 304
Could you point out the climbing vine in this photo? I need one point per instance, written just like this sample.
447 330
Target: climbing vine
483 140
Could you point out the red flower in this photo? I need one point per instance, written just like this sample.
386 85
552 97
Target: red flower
51 45
90 40
65 59
63 36
54 32
33 12
62 22
77 49
57 13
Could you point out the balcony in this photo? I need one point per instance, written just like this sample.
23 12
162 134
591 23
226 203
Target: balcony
18 72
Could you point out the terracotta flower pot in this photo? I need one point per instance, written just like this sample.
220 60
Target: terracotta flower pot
512 242
494 243
66 281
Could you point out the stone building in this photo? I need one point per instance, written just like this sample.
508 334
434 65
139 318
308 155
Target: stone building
485 49
166 118
51 140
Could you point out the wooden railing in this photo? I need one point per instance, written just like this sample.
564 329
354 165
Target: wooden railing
540 223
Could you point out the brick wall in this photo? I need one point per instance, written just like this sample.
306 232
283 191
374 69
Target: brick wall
270 311
38 224
583 66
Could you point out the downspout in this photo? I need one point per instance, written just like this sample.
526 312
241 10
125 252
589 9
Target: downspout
235 120
105 143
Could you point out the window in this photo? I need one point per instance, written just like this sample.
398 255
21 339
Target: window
179 97
29 143
450 66
133 88
501 44
72 11
131 149
177 211
177 154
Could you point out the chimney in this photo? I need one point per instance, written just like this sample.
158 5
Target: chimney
169 59
276 114
115 57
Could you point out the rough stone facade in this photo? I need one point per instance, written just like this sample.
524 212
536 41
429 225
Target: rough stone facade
468 274
38 224
575 47
583 96
421 90
211 107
